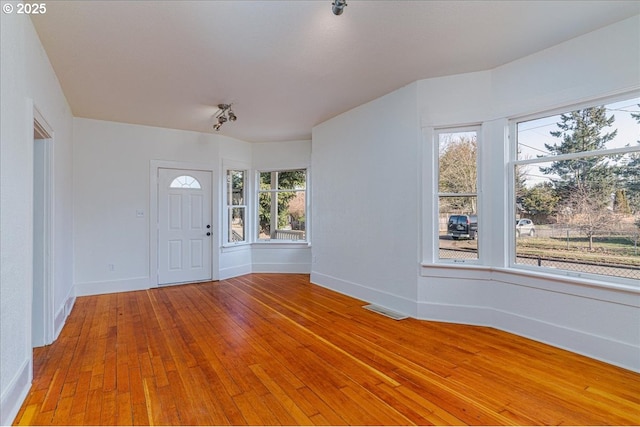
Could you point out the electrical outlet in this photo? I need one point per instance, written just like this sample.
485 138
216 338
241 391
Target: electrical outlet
139 213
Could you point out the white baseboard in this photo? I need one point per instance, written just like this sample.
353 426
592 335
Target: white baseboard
373 296
62 314
12 398
453 313
112 286
594 346
240 270
301 268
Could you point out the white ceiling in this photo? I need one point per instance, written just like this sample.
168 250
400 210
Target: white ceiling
286 65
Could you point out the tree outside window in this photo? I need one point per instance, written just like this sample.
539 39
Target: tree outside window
577 177
236 206
457 194
282 205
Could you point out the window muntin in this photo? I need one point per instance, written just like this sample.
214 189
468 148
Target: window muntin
577 178
185 181
282 205
457 194
236 206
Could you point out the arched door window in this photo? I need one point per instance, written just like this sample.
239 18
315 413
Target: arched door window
185 181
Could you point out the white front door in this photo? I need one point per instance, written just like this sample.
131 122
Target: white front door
184 226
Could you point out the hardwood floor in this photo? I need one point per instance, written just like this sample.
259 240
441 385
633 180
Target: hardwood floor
269 349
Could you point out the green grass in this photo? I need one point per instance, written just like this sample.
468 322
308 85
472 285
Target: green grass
606 250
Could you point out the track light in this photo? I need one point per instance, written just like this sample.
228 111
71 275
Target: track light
224 114
338 6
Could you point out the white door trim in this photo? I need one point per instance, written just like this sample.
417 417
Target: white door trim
44 293
154 165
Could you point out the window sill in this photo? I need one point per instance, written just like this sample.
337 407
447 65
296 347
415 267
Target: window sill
569 277
280 244
233 247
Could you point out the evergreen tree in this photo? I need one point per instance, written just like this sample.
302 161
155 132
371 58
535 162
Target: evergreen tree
540 201
582 131
630 175
620 203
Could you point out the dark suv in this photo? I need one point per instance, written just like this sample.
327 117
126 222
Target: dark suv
463 226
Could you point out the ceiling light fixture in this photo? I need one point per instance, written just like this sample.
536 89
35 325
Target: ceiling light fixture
224 114
338 6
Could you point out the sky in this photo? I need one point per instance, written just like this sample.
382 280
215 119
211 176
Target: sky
534 134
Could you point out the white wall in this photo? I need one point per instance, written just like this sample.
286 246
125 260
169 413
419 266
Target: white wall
28 81
112 181
365 222
357 169
113 165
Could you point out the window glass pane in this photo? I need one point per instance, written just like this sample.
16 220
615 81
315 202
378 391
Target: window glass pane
282 210
265 180
458 162
292 180
602 127
236 224
458 228
264 214
235 190
580 213
185 181
457 198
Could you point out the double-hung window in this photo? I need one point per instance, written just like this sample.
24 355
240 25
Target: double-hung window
457 194
282 205
577 191
236 231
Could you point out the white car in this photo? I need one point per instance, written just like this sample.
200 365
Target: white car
524 226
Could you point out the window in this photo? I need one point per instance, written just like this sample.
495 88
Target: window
457 194
185 181
282 205
577 191
236 206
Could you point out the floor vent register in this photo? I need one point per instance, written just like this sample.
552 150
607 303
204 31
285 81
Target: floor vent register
385 312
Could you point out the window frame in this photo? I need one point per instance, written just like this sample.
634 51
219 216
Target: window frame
511 206
477 128
231 206
224 235
257 191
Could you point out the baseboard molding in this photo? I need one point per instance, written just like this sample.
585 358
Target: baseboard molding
454 313
596 347
301 268
112 286
359 291
63 313
12 398
230 272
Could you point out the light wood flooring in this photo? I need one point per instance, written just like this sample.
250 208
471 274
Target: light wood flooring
273 349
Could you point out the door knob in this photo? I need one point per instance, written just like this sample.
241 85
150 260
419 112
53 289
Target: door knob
208 233
208 226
